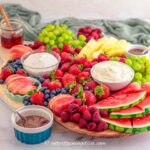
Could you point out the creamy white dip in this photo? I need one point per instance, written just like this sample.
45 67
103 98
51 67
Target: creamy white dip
40 63
112 71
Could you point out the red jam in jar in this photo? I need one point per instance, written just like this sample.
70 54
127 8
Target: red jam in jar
11 36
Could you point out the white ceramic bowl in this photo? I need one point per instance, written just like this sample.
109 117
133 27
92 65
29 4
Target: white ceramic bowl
137 46
38 71
114 86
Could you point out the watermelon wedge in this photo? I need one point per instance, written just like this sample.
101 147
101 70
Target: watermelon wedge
131 112
121 125
141 124
120 101
146 87
145 104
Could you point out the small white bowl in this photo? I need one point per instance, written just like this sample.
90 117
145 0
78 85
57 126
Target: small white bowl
36 70
114 86
137 46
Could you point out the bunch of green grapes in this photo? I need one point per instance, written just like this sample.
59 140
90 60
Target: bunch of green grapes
141 66
58 35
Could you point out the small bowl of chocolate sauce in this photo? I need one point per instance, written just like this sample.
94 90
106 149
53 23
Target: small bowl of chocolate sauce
35 126
138 51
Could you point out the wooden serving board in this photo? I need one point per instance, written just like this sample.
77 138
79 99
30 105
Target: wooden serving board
4 54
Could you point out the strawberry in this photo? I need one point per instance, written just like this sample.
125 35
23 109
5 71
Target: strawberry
53 85
6 71
65 67
66 57
76 88
56 50
68 79
91 85
83 77
83 108
101 91
78 101
87 70
45 83
102 57
81 60
75 69
67 48
77 50
57 74
122 59
37 98
89 98
87 64
46 76
21 72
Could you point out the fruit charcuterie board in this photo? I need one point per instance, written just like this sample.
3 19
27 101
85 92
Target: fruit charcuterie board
95 85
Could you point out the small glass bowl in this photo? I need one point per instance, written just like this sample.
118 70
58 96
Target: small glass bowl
38 71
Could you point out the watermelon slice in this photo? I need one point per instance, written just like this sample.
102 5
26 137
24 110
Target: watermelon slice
141 124
131 112
145 104
121 125
146 87
121 101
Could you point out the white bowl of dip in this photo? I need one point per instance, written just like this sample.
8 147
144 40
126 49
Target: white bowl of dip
137 50
116 75
39 63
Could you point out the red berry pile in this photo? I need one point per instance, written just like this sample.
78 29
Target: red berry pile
84 116
90 33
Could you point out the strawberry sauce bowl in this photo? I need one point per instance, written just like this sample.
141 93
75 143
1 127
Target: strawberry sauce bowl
30 135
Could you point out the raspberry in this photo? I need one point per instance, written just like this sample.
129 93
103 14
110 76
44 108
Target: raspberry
78 101
73 108
82 123
104 113
83 108
76 117
101 126
77 50
91 126
65 116
96 117
87 115
93 109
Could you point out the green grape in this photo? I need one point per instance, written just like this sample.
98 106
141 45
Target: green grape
147 78
148 70
57 26
65 36
128 62
60 40
75 43
56 32
114 58
46 40
52 42
51 27
133 58
143 80
136 66
64 26
44 32
60 45
82 38
138 76
143 58
50 34
53 37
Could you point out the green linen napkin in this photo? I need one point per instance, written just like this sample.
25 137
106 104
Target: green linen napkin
133 30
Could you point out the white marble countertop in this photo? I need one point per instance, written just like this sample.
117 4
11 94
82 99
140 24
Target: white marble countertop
62 138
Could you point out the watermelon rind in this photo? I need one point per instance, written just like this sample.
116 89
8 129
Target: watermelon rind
118 127
129 115
123 106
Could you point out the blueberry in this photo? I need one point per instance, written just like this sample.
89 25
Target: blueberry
18 62
36 84
1 81
46 97
29 103
9 61
74 95
86 88
41 79
26 103
58 91
43 89
67 89
53 92
45 103
14 60
63 91
26 98
52 95
47 91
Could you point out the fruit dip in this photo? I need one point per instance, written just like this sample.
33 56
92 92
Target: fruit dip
112 72
33 121
39 63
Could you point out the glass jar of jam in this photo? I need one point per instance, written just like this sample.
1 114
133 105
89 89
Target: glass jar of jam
11 35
